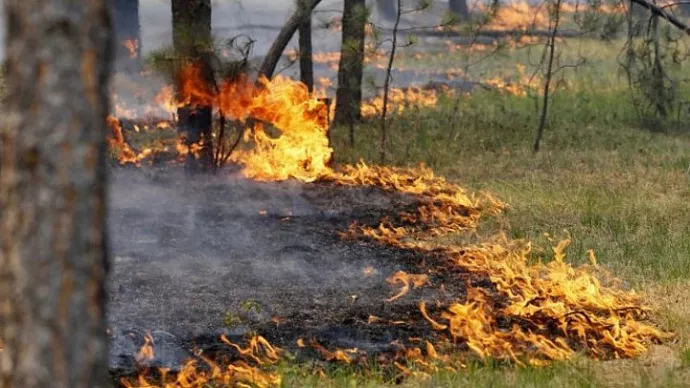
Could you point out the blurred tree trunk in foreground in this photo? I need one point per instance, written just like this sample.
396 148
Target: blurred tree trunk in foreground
127 36
351 68
53 258
459 9
192 39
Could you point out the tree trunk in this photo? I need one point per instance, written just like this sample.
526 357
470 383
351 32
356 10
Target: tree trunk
193 43
297 19
53 256
350 73
306 63
127 36
459 9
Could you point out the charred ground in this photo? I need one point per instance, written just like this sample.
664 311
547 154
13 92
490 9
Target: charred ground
194 258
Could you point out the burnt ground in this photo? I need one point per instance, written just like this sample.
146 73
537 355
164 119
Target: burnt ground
194 258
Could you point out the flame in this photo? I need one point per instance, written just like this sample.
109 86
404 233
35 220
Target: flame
521 15
337 355
132 46
119 146
146 352
166 99
246 371
399 100
405 278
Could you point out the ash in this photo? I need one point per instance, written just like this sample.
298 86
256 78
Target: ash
194 258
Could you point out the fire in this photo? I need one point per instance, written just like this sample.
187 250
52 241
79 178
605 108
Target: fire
400 100
302 150
132 46
146 352
119 146
337 355
406 279
532 312
166 99
248 370
521 15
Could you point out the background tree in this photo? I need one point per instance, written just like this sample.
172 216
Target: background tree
53 259
351 67
306 62
298 18
459 9
127 35
193 44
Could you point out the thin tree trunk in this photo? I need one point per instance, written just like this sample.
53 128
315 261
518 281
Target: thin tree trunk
297 19
549 74
192 40
351 68
127 36
459 8
53 256
306 63
387 85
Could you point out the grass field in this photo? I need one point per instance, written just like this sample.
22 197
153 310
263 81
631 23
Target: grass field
616 186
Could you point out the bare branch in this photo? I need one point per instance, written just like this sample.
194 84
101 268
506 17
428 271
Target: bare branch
660 12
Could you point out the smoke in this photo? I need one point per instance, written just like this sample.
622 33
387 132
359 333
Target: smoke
187 253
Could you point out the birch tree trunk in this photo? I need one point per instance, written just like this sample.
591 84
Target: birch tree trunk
53 256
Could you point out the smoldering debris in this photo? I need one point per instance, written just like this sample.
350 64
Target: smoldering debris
199 257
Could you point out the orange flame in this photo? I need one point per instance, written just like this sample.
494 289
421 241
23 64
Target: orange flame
132 46
146 352
247 371
405 278
119 146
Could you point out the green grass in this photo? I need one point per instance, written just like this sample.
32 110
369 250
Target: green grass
603 176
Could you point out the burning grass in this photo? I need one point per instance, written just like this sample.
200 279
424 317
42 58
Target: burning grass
527 313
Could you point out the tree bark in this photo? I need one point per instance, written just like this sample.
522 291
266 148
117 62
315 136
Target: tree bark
53 256
272 58
306 63
459 8
193 43
127 36
351 68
